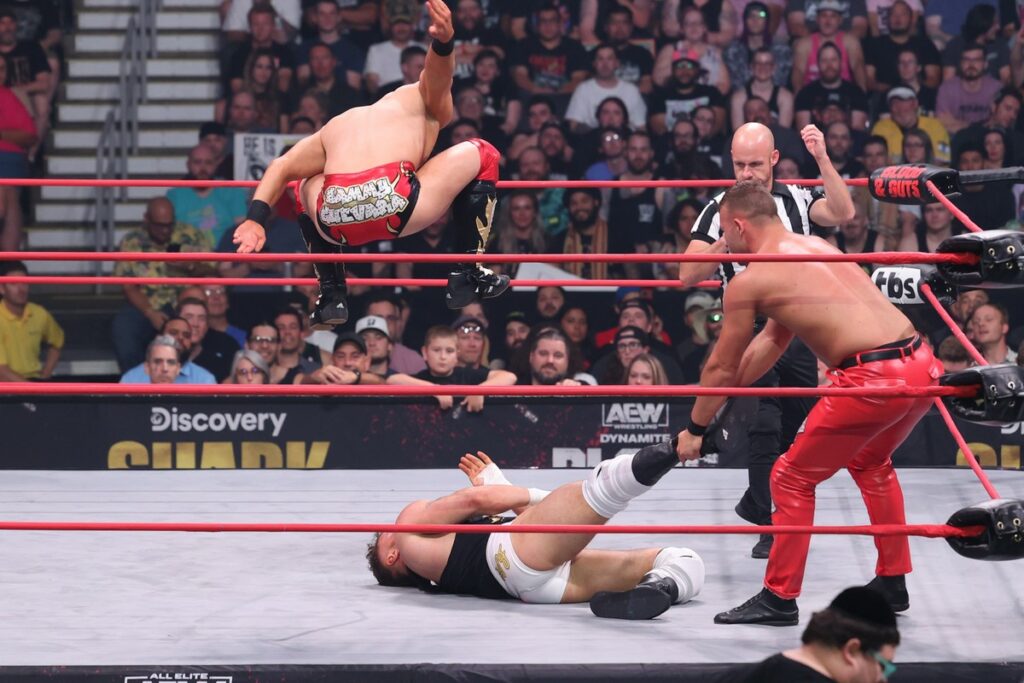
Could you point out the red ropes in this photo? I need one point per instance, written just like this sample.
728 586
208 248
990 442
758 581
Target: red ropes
953 208
926 530
367 281
502 184
882 257
972 460
390 390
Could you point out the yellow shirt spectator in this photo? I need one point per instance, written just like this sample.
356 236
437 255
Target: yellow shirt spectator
22 337
893 134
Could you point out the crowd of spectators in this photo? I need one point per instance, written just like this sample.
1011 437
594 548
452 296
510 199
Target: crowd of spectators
594 89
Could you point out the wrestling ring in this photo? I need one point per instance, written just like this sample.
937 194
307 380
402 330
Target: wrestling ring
252 575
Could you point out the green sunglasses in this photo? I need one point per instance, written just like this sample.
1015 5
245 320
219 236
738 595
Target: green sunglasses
888 668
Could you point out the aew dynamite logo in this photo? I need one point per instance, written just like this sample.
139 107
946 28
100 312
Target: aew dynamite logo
360 203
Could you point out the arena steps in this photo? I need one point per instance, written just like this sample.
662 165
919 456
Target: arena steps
182 86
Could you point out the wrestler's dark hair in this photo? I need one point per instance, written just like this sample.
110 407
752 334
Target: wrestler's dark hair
834 628
750 199
384 575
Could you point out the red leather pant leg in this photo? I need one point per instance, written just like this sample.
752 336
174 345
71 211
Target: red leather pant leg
859 433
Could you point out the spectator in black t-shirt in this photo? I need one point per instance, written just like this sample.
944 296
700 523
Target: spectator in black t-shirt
439 352
990 205
497 91
635 63
327 20
853 639
350 364
211 349
551 140
681 95
1003 118
634 217
470 104
839 143
472 36
830 88
549 62
323 68
882 53
261 37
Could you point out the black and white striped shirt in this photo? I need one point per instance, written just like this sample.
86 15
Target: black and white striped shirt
794 206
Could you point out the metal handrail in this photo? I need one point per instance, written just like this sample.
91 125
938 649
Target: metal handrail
119 138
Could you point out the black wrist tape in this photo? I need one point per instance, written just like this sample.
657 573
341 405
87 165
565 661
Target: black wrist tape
443 49
696 429
259 211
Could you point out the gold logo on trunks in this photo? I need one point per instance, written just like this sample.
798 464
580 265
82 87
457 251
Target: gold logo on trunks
501 562
483 229
372 200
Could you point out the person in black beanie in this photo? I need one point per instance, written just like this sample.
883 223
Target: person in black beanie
853 640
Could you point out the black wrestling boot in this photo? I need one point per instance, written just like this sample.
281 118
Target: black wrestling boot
745 509
763 548
331 308
473 215
473 283
651 597
893 589
332 305
764 608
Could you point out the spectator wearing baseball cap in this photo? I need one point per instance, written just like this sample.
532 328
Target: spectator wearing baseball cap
904 115
692 350
374 331
635 310
350 364
629 343
635 314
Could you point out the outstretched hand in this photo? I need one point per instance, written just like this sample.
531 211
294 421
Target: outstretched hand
473 466
441 28
249 236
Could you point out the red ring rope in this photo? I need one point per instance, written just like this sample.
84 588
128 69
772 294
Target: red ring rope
502 184
390 390
367 281
953 208
925 530
878 257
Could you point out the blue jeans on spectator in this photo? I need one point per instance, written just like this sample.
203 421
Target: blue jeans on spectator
132 333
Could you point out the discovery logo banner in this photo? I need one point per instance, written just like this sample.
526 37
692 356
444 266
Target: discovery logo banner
161 420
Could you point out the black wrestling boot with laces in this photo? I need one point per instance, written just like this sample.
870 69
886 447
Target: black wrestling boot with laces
331 309
764 608
473 283
893 589
651 597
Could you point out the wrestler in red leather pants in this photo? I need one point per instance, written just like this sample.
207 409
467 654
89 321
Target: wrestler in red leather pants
859 434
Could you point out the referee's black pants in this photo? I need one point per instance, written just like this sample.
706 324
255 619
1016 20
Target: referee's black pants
776 425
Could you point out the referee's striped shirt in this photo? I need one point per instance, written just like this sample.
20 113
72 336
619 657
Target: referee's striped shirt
794 206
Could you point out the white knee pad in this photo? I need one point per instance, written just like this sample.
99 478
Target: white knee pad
683 566
611 485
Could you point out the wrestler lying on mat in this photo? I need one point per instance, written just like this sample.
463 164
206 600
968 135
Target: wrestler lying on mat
542 568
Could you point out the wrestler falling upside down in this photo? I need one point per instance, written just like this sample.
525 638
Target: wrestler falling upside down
363 178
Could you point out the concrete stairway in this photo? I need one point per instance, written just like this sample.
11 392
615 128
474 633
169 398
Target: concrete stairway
182 88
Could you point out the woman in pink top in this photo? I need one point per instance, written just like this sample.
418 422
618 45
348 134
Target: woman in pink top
805 50
17 135
694 44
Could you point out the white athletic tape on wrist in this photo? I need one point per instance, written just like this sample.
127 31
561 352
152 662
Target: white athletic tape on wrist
492 476
537 495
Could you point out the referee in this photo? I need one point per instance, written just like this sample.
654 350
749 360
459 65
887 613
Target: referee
778 419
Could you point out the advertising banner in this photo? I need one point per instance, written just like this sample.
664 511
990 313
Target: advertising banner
222 433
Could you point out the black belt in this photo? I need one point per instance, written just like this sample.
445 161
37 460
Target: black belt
895 351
